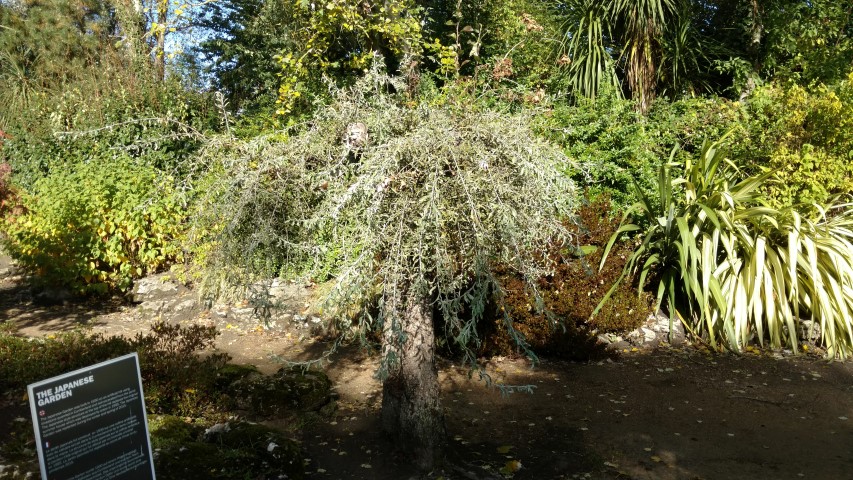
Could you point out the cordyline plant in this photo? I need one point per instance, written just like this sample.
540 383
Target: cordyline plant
413 206
734 270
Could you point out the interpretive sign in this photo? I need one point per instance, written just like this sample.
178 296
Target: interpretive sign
90 424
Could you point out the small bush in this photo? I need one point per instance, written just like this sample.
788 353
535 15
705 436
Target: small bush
571 294
119 222
24 360
175 378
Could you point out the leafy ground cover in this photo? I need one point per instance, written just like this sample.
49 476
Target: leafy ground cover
664 414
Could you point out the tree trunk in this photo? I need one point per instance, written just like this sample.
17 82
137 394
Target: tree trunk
160 52
411 411
642 74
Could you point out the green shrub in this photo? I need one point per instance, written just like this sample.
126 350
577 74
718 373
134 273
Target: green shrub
686 123
571 294
609 143
736 271
97 225
178 381
24 360
156 125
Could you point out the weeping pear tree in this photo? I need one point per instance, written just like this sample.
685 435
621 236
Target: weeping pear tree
412 207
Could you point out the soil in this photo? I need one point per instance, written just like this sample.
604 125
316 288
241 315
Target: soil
663 413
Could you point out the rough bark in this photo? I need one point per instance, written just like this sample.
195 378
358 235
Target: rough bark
411 410
642 71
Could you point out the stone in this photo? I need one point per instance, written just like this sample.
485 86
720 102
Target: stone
810 331
187 304
52 295
7 266
156 287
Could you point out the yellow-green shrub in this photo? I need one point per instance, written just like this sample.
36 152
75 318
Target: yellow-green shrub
97 225
806 136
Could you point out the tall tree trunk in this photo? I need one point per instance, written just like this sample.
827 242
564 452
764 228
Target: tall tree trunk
642 71
756 29
132 28
160 53
411 410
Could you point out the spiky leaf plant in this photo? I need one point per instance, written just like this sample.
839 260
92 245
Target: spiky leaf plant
413 206
734 270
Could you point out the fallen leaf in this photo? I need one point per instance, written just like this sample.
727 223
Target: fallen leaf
504 449
511 467
655 458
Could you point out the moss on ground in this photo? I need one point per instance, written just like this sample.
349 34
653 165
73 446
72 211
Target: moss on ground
231 450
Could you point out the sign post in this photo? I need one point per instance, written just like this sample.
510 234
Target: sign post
91 423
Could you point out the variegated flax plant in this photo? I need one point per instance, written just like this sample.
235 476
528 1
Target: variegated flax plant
735 271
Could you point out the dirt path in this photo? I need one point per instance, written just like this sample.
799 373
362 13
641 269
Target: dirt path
663 414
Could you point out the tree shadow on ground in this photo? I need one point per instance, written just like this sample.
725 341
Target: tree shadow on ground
667 414
36 314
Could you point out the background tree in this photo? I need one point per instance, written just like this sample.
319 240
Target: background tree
415 208
628 34
44 45
585 47
516 36
806 42
341 39
246 36
641 23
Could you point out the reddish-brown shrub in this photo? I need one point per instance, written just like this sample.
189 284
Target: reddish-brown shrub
571 295
6 193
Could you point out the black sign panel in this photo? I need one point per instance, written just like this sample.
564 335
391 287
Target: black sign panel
90 424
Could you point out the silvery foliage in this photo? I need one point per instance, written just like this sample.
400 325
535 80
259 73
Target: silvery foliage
427 202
